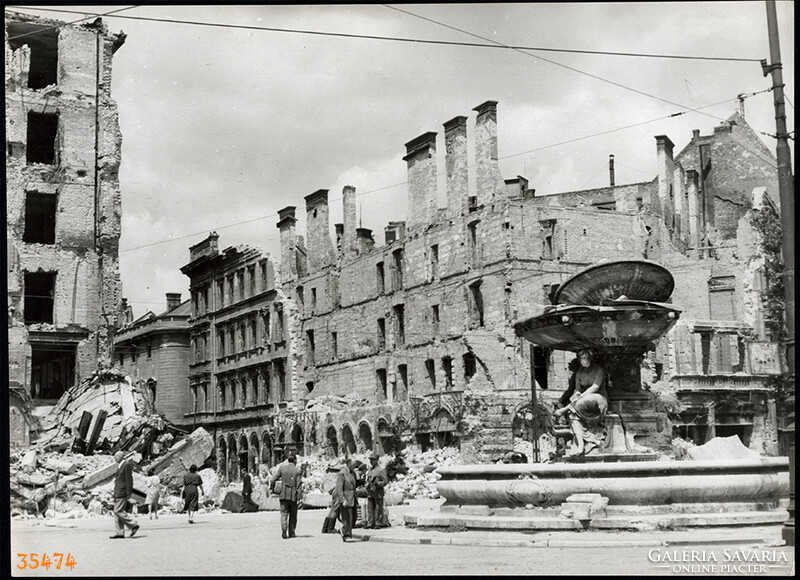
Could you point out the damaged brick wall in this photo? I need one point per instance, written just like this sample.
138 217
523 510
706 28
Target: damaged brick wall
63 197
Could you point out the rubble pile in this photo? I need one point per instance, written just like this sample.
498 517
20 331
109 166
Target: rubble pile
420 480
106 411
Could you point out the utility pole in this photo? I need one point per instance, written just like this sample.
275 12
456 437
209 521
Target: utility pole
786 190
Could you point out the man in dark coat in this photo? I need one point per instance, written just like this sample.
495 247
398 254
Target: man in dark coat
289 476
123 489
345 494
247 491
376 482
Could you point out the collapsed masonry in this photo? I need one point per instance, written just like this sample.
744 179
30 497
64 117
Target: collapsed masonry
416 337
63 220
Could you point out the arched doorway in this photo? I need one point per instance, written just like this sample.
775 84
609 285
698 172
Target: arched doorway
365 434
244 452
222 458
233 459
348 441
298 439
266 450
385 436
255 453
333 441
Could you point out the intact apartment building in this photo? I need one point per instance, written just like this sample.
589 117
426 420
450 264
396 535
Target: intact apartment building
240 364
153 351
63 201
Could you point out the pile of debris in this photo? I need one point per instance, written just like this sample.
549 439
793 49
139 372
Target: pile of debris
421 477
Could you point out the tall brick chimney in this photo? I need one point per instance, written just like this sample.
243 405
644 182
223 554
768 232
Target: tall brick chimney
694 209
421 160
349 247
286 224
318 238
173 300
666 169
488 180
455 163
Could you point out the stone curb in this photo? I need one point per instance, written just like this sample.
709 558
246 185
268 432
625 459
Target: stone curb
500 543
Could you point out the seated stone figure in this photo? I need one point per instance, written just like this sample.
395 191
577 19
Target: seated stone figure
586 402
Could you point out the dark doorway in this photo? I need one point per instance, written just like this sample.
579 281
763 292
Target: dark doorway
52 370
43 43
40 218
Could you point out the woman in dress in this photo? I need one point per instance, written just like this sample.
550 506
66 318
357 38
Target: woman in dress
586 403
153 493
191 483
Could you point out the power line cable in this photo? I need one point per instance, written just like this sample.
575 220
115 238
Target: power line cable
405 182
603 79
407 40
56 27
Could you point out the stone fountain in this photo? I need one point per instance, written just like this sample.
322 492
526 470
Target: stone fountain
619 309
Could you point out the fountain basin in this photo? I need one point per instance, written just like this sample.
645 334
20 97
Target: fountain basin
634 483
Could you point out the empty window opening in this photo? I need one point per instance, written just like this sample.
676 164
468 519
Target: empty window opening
313 300
251 274
151 386
539 364
400 324
334 345
402 391
473 242
52 370
435 319
447 366
300 300
380 277
398 269
40 218
430 367
434 260
381 377
309 386
310 347
476 305
381 333
470 365
548 229
39 293
240 281
43 44
42 132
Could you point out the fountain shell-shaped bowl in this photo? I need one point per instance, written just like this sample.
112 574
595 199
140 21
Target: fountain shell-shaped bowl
629 324
633 279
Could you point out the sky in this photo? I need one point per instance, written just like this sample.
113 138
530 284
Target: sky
224 126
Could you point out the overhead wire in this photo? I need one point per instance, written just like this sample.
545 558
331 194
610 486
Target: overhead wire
400 39
597 77
79 20
568 141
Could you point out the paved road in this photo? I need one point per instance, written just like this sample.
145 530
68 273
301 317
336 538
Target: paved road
250 544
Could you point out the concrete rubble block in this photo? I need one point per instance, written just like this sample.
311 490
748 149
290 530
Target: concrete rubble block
60 465
100 476
317 499
194 449
28 463
584 506
34 479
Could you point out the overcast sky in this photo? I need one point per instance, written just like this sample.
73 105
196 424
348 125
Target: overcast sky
224 125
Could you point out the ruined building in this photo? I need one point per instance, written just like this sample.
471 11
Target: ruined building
63 201
418 333
348 344
154 350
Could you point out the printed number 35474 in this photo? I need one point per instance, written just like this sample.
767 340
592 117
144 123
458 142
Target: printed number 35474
32 561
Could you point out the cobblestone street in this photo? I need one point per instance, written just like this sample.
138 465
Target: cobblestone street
250 544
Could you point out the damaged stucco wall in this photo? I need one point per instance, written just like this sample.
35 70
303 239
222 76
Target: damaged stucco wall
82 178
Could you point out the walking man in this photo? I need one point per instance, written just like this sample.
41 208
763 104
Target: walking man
123 489
376 482
345 494
289 476
247 491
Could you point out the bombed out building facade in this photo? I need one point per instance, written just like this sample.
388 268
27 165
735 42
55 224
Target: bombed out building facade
351 344
63 202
